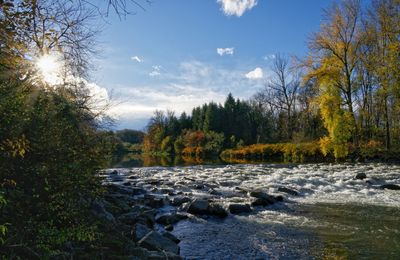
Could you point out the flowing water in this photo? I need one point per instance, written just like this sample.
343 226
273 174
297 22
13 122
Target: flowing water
334 216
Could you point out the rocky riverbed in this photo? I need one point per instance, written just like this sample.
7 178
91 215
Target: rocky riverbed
248 211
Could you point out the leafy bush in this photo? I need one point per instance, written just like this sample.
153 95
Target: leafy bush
51 151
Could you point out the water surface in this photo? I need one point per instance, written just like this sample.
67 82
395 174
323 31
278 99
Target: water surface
333 217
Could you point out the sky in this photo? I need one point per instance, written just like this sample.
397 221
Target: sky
178 54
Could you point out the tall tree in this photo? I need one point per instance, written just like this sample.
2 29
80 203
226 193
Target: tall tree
332 63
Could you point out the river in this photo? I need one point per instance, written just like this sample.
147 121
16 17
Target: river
333 216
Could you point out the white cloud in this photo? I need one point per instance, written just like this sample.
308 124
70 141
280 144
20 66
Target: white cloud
156 71
136 58
236 7
225 51
269 57
257 73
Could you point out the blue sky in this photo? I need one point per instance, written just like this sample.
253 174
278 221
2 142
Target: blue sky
182 53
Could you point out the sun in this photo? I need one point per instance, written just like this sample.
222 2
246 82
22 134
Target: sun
49 67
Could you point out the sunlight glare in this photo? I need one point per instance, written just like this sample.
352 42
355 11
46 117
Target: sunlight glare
50 68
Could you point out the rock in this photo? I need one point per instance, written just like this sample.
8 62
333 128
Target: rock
169 227
127 183
114 188
263 196
132 177
163 256
240 190
153 201
261 202
390 187
278 198
214 192
198 206
155 241
114 172
288 191
171 237
167 191
360 176
179 200
170 218
119 204
198 186
217 210
147 217
239 208
139 231
129 218
138 191
154 182
140 253
100 211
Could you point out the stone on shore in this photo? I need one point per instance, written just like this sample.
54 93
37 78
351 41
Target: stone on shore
155 241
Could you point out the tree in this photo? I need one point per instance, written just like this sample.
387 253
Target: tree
281 90
380 59
333 62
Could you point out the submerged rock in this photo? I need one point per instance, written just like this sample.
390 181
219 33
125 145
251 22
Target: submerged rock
360 176
179 200
261 202
263 196
155 241
390 187
170 218
217 210
239 208
288 191
198 206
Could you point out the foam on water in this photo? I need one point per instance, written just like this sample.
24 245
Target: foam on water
333 214
328 183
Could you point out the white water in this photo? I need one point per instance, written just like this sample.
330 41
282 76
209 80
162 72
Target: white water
334 214
314 182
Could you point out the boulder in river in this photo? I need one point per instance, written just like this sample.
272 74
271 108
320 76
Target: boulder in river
239 208
261 202
390 187
217 210
263 196
179 200
288 191
155 241
198 206
170 218
153 201
360 176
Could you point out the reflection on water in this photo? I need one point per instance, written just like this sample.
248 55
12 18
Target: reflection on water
140 160
353 231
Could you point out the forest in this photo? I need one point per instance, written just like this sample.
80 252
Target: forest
343 97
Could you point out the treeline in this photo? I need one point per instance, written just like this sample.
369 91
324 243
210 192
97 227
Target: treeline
345 94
